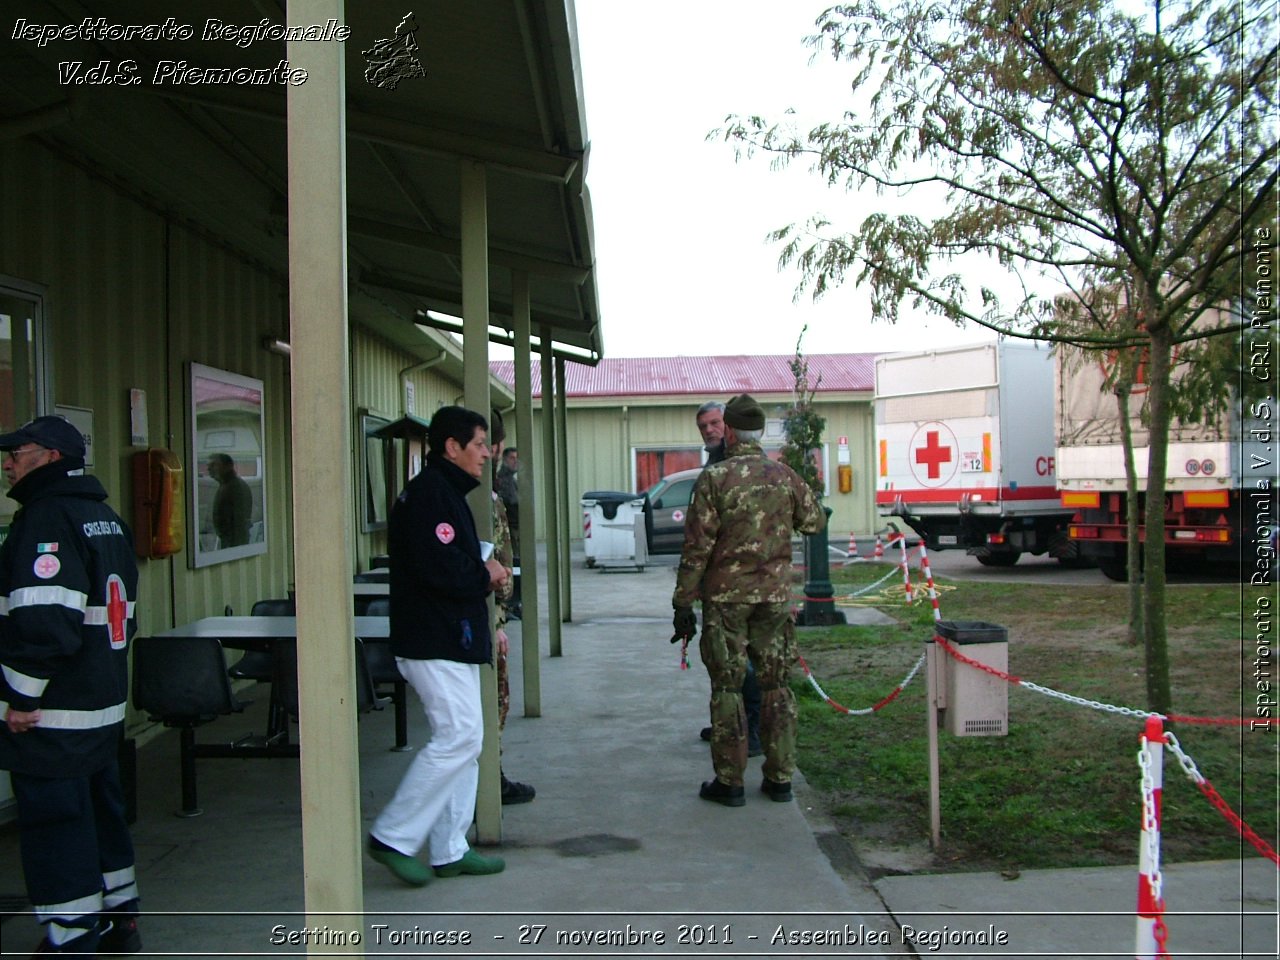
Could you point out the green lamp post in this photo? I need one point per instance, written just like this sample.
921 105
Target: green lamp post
819 595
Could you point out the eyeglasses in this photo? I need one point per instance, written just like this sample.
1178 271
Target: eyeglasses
21 450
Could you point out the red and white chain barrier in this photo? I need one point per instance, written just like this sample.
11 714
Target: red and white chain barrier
1246 832
861 711
1204 786
1153 935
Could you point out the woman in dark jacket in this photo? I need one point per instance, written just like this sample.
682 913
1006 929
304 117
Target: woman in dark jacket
440 581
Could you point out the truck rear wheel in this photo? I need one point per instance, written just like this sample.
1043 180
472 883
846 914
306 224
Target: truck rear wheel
1114 568
1007 559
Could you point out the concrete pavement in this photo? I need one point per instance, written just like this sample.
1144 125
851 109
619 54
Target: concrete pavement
617 856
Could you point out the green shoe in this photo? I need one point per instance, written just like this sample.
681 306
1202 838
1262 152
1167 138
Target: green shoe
409 869
473 864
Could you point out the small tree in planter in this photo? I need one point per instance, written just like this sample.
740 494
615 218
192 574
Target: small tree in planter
803 427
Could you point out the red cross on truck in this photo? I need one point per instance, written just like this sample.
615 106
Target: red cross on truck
932 455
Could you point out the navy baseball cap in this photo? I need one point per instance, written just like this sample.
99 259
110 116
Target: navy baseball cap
52 433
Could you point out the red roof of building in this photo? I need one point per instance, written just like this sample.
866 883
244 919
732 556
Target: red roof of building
714 377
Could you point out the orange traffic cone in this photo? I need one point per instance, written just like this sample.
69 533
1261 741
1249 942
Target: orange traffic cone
879 554
853 549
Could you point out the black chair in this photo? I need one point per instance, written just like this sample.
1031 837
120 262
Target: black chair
285 678
383 670
258 665
183 682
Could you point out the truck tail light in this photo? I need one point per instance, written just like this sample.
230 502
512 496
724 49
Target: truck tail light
1082 533
1206 498
1086 500
996 539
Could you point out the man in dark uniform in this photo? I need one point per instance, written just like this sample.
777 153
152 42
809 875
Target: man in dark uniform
737 560
68 584
440 582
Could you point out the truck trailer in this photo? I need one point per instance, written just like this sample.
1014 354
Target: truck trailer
1205 472
965 441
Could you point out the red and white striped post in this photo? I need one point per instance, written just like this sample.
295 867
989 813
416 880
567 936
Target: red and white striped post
1152 933
906 567
928 578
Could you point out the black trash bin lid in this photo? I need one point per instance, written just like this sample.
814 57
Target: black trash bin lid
610 500
971 631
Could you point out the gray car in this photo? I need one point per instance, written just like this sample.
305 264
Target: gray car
668 503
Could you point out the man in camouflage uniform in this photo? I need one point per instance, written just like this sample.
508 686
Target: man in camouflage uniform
512 790
737 560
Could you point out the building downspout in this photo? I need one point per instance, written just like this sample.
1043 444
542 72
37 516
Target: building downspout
417 368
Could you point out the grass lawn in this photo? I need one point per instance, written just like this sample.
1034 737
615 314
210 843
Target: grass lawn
1062 789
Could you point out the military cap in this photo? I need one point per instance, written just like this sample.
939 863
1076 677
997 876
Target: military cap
743 413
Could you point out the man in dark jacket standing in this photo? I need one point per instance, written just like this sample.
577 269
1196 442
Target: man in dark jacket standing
440 581
68 583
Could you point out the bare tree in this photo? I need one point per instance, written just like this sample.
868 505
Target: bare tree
1117 164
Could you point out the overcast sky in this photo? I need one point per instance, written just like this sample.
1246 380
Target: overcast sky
683 263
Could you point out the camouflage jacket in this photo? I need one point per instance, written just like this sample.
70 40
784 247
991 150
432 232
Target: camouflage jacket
737 534
503 552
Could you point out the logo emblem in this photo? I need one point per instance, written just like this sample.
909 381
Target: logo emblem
933 461
445 533
677 516
117 611
47 566
394 58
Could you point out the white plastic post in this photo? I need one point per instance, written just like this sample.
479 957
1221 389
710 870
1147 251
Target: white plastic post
1150 899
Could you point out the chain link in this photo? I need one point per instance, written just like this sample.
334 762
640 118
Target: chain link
1162 938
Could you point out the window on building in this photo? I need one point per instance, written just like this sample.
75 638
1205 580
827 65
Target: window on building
652 465
22 382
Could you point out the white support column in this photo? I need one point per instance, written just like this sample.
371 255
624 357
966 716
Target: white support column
475 389
331 834
528 547
550 494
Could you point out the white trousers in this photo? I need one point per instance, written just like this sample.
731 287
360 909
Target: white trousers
436 800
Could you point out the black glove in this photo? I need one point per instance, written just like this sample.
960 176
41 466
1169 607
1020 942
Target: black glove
685 623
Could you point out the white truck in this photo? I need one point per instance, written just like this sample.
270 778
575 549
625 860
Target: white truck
964 438
1205 472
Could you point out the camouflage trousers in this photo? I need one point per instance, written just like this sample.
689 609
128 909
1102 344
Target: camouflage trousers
763 632
504 686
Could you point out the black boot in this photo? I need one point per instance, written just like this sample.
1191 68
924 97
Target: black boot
513 792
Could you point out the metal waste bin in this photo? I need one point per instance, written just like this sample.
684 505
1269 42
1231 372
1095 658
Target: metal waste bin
975 703
613 529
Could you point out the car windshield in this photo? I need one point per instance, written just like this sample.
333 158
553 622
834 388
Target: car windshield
653 491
